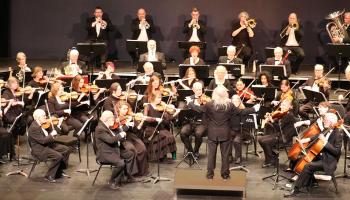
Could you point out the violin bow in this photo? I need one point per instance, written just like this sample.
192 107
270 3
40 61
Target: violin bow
246 89
48 112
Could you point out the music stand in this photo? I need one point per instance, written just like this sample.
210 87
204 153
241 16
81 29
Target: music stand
338 51
183 94
157 67
236 70
40 98
202 71
222 51
186 45
209 93
106 83
92 50
5 75
314 96
268 92
136 47
276 70
87 124
269 52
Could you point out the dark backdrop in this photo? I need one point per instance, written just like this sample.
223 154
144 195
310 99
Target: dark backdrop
5 27
45 29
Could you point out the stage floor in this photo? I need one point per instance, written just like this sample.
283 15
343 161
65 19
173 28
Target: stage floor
79 186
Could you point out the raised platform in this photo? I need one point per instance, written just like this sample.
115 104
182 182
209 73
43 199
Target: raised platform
194 179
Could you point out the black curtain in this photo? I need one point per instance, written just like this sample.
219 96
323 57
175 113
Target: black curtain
5 30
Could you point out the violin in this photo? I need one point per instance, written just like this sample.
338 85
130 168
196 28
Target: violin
203 99
123 120
20 91
130 96
246 93
67 96
275 115
90 88
47 124
165 91
170 109
2 83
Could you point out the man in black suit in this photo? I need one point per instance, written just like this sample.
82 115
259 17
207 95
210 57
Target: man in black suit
142 27
98 26
218 113
328 158
108 147
290 40
44 147
195 28
73 66
153 55
231 56
278 60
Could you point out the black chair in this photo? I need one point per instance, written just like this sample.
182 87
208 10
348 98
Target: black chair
332 178
69 141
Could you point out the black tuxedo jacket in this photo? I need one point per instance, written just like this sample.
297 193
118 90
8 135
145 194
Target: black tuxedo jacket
299 33
92 35
136 30
39 142
200 32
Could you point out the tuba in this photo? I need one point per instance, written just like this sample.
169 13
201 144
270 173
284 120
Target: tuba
335 28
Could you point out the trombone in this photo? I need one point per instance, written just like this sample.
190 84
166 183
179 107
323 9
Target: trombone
251 23
284 31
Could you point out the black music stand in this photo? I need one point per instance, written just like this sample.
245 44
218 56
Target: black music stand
183 94
275 70
186 45
236 70
39 98
106 83
267 92
269 52
140 88
209 93
222 51
92 50
338 51
136 47
202 71
314 96
4 75
157 67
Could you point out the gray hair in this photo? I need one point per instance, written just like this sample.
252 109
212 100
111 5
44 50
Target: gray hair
220 97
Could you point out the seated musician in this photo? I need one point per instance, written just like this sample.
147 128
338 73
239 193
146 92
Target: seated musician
246 94
73 66
237 132
195 127
108 149
285 93
145 77
154 110
291 35
318 83
60 106
155 84
39 80
7 146
21 59
191 75
231 56
264 78
115 92
15 107
194 59
44 147
109 72
132 142
153 55
279 128
278 59
326 160
220 78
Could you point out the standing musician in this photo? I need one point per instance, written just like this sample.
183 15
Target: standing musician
142 27
195 28
191 75
318 83
218 114
152 54
60 104
237 132
39 80
246 94
44 147
278 122
231 56
98 26
126 122
108 148
194 59
331 141
22 66
280 60
157 113
241 36
73 66
195 127
109 72
291 35
220 78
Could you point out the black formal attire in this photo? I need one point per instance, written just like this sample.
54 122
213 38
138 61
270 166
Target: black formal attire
273 134
110 102
81 65
7 146
298 54
136 29
225 59
17 69
272 61
188 84
160 57
326 161
227 84
347 36
242 38
108 151
308 106
200 32
219 133
44 147
193 127
92 33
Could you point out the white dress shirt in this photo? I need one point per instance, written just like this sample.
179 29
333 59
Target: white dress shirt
292 41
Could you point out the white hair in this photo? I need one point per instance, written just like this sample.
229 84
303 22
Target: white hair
105 115
147 65
19 54
38 113
319 66
151 41
231 48
243 13
197 85
331 117
220 97
278 49
220 68
347 69
74 52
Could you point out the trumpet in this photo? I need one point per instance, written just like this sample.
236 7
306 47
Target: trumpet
144 24
251 23
284 31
